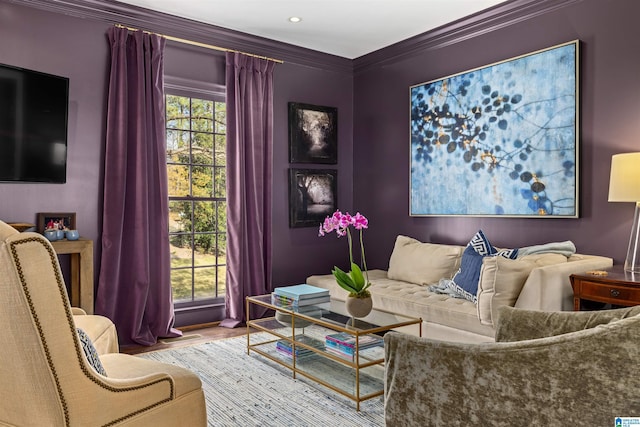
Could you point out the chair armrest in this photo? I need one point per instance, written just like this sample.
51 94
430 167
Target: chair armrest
76 311
432 383
518 325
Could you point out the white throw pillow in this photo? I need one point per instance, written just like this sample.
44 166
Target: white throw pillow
423 263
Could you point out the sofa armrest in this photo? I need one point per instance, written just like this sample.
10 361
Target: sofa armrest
435 383
519 325
548 288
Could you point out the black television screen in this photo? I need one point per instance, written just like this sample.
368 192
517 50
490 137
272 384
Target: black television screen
33 126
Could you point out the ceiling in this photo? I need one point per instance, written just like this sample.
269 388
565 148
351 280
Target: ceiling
346 28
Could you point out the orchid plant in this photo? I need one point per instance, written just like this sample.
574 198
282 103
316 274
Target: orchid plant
356 281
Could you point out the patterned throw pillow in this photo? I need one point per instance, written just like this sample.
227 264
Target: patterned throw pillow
90 352
465 282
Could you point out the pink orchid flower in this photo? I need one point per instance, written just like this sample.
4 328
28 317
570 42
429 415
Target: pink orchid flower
340 223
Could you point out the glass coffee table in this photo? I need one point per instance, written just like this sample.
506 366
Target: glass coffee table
349 362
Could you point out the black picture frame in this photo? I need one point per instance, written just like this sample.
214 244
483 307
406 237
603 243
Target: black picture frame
313 134
312 196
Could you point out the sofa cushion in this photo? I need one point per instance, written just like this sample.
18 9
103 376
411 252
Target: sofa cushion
423 263
500 283
413 300
465 282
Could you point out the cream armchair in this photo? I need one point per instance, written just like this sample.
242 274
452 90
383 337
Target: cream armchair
46 379
560 368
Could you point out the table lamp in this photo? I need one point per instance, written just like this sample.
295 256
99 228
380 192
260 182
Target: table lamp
624 186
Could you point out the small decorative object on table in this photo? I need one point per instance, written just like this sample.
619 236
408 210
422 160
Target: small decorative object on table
54 224
356 281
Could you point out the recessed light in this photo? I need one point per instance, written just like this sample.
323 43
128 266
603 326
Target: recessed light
295 19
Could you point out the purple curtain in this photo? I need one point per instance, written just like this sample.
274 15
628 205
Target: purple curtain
249 99
134 289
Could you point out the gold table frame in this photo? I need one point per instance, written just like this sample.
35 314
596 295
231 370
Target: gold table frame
334 306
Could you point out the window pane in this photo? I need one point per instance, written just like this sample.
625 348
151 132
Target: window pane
202 115
178 180
202 149
178 146
179 216
205 282
221 150
222 248
181 283
220 179
204 217
178 112
181 254
221 117
202 181
205 249
221 214
222 279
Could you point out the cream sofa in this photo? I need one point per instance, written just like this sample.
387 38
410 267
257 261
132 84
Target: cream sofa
538 281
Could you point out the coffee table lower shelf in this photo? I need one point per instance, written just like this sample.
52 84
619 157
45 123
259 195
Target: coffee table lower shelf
358 383
359 378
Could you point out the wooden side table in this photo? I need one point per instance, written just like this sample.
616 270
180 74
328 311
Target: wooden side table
81 286
618 288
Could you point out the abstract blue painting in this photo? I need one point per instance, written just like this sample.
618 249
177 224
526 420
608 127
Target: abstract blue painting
500 140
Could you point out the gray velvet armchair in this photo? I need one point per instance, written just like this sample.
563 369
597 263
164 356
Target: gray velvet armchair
560 368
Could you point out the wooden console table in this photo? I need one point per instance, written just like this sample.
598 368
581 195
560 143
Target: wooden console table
81 253
618 287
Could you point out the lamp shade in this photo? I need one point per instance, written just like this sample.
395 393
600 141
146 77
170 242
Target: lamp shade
624 183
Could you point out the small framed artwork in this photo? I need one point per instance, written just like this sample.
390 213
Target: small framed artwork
56 221
313 134
312 196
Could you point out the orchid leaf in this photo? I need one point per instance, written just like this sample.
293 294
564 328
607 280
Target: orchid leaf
344 280
356 275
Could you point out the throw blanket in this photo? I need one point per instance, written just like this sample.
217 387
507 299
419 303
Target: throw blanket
444 286
566 248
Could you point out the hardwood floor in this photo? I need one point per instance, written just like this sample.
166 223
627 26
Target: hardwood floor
190 335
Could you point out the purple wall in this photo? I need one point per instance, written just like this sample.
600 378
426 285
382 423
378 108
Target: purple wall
610 108
74 45
68 38
76 49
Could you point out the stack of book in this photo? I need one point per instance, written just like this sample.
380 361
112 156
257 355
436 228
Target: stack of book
344 345
285 347
294 297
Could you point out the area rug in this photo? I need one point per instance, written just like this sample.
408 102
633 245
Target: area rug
250 390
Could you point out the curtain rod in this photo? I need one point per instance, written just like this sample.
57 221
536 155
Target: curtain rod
206 46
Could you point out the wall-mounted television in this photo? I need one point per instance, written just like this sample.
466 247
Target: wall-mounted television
33 126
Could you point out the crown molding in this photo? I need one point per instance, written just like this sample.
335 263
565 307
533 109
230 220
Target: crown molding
113 12
492 19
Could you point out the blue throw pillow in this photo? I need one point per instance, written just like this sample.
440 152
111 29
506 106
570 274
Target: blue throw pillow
465 282
481 245
90 352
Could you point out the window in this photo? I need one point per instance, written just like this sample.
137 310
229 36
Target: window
196 162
